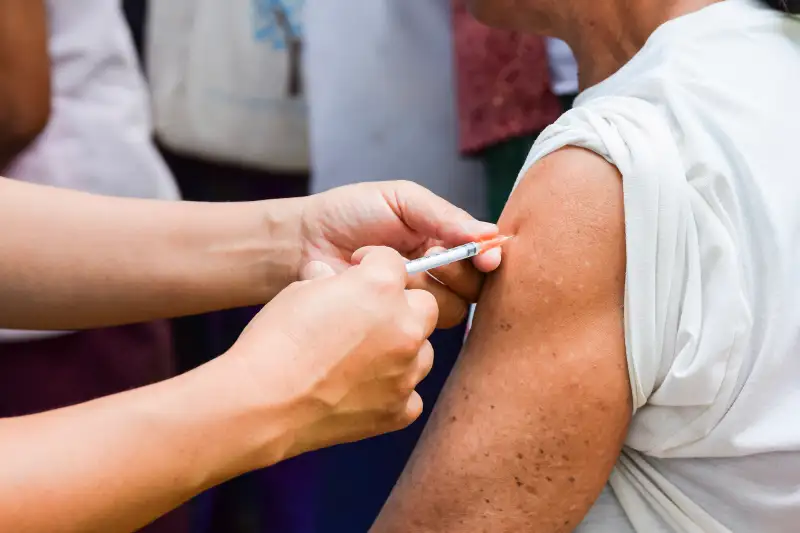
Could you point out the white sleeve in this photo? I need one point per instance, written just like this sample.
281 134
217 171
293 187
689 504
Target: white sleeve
685 311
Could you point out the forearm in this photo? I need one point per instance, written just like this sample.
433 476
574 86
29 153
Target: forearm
71 260
118 463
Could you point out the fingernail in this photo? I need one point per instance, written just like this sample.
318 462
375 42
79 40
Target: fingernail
476 228
316 270
495 255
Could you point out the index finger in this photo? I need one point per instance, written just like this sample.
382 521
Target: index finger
460 277
436 218
425 309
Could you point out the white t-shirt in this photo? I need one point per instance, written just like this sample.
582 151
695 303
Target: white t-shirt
704 126
98 138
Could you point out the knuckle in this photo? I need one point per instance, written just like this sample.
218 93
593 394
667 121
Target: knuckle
405 384
411 411
393 409
399 394
424 304
409 382
412 335
426 355
383 279
414 329
430 308
423 366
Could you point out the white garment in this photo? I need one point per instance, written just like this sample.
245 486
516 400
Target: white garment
98 138
563 68
220 76
381 98
704 127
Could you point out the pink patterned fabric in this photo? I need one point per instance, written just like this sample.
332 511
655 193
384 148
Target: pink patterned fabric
503 83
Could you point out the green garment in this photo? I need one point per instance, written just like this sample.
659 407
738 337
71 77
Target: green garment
502 162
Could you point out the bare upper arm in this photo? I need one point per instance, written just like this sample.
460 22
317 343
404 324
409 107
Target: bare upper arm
24 75
533 418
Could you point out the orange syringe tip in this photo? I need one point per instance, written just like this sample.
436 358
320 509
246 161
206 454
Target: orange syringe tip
490 244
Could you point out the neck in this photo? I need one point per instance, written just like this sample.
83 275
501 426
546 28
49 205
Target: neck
609 34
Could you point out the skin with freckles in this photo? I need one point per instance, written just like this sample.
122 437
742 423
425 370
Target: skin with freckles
534 416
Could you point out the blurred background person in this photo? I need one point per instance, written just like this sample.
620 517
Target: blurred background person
510 87
382 104
75 114
230 118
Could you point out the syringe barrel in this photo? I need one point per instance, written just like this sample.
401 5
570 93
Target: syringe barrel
423 264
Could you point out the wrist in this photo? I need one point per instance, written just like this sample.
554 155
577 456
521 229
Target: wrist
259 246
204 257
251 417
282 227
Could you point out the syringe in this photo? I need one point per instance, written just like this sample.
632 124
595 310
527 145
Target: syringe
465 251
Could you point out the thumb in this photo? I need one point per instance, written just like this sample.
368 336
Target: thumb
316 270
436 218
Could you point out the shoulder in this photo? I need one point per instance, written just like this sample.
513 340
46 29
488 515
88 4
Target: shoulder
567 214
